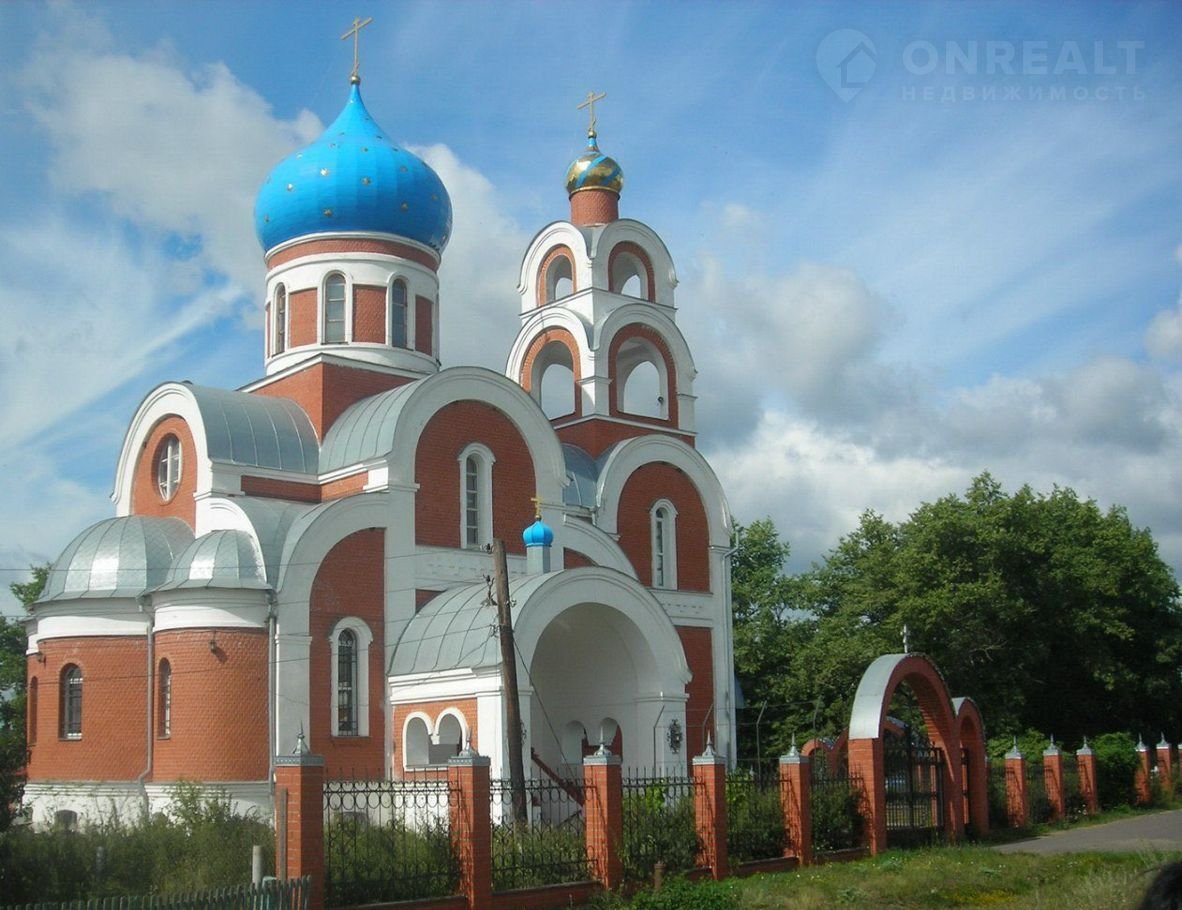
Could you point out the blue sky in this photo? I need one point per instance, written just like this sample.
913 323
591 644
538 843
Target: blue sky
965 256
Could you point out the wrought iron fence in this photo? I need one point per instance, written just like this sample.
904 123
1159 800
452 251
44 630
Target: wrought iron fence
835 803
388 840
1039 811
659 825
546 846
999 813
914 791
290 894
755 817
1072 793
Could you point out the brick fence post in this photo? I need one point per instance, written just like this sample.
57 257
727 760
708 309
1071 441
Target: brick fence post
1165 766
299 819
1143 775
1088 788
1017 799
471 825
1052 775
710 810
604 807
795 780
866 761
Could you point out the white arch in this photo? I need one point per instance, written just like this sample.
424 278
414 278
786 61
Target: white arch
551 318
644 314
428 728
458 716
602 549
360 628
558 233
629 229
632 454
171 399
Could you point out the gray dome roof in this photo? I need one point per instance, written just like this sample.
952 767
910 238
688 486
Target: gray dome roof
582 475
365 430
219 559
118 557
257 430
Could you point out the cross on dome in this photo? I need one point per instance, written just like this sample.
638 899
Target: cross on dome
590 104
355 31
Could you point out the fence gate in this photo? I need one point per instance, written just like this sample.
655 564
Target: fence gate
914 769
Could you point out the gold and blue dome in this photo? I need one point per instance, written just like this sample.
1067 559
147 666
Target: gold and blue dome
594 170
353 179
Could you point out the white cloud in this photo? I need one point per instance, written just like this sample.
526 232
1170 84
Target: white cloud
1163 338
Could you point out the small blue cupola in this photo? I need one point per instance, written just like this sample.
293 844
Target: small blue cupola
538 538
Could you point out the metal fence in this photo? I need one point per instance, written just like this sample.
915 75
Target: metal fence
914 771
659 825
292 894
1072 794
999 815
548 846
755 817
387 840
1036 795
835 803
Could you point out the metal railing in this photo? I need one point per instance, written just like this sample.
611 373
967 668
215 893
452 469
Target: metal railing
659 824
549 847
291 894
835 804
1039 811
388 840
755 816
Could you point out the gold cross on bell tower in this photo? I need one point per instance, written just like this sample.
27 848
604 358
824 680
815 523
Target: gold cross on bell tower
537 501
590 104
355 31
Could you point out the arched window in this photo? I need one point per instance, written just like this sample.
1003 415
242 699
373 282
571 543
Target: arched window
32 710
416 743
334 309
642 379
663 522
168 467
280 331
399 332
629 272
350 641
449 738
476 463
559 278
71 702
164 700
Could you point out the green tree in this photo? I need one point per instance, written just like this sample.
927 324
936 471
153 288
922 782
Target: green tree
12 695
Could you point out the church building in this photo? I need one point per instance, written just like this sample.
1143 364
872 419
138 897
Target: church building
309 554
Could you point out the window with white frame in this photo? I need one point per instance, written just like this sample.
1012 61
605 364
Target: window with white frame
168 467
663 524
280 332
399 315
334 309
416 742
476 463
71 702
350 641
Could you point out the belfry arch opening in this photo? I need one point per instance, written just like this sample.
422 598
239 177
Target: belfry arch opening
559 278
629 273
554 380
643 380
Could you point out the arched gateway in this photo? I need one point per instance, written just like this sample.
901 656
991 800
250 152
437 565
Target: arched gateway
934 775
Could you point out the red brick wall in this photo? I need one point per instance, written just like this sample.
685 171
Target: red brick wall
301 317
353 245
325 390
369 314
145 493
616 389
699 654
466 707
643 488
562 251
219 705
598 435
114 709
350 582
437 471
629 247
573 559
424 325
271 488
423 597
594 206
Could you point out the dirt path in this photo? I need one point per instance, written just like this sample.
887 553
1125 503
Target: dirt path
1160 831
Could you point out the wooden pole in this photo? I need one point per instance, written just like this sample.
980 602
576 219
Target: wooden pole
513 726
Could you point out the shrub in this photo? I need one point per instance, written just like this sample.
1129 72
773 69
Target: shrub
659 826
1116 765
755 819
368 863
679 894
837 814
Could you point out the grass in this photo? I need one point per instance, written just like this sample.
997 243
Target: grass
935 878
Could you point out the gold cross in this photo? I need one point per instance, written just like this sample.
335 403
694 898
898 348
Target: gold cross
537 501
355 31
590 103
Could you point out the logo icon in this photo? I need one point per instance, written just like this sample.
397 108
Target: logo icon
846 60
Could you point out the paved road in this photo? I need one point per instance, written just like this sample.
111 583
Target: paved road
1161 831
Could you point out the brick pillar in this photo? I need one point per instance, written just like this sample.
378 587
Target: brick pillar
1165 767
1086 762
604 809
710 811
795 780
299 819
1143 775
471 825
866 761
1017 799
1052 775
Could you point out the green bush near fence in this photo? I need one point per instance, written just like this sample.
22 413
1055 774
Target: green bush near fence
528 856
837 816
1116 765
754 817
201 845
368 863
658 827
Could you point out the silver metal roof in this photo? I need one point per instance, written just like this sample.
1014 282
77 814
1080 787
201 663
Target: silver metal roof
257 430
454 630
219 559
271 520
118 557
582 474
365 430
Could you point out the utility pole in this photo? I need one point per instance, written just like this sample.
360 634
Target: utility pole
513 726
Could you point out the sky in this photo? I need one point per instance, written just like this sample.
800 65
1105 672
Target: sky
913 242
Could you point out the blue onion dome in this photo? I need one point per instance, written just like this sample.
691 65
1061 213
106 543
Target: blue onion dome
594 170
538 534
353 178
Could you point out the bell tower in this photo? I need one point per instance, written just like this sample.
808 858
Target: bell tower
599 347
